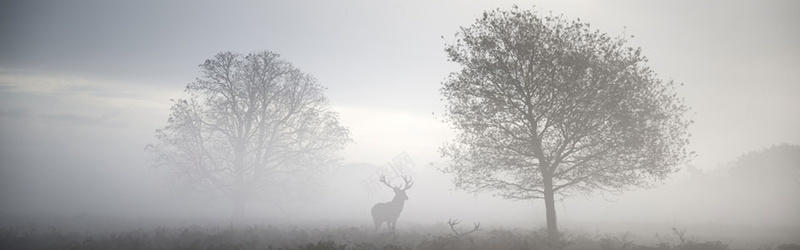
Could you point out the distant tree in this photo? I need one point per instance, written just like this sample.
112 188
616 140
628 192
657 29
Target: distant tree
774 174
778 162
546 107
253 126
759 187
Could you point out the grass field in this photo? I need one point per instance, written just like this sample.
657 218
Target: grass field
98 234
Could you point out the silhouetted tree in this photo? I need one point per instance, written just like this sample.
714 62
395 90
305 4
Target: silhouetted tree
769 178
777 165
546 107
253 125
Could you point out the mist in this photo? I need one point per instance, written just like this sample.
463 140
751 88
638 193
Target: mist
85 84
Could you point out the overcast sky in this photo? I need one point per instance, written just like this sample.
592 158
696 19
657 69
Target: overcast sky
83 84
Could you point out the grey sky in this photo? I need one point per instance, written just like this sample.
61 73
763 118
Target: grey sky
83 84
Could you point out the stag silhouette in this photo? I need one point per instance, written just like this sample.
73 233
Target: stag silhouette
389 211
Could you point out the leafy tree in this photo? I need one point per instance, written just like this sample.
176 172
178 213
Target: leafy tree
547 107
253 127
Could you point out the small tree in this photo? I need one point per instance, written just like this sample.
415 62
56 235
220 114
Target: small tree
545 107
253 126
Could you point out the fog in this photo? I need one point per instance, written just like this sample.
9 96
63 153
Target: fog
84 85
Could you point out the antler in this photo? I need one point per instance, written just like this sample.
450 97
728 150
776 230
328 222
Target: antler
383 179
408 182
453 224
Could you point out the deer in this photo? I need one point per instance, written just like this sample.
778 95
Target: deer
459 233
389 211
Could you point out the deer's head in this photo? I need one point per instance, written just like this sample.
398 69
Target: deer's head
399 191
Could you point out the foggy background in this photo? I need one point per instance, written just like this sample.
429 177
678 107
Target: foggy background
84 85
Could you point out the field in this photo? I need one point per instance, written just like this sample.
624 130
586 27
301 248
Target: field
99 234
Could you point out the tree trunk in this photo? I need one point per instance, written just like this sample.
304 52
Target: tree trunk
239 194
238 208
550 207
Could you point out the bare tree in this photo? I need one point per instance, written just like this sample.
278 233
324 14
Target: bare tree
253 127
389 211
546 107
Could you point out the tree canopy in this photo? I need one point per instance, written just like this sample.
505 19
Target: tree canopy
253 127
545 107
